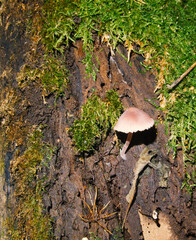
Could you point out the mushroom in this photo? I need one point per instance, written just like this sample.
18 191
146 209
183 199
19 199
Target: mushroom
132 120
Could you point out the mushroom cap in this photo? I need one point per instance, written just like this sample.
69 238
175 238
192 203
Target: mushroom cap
133 120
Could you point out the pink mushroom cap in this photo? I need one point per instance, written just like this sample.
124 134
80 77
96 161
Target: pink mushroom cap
133 120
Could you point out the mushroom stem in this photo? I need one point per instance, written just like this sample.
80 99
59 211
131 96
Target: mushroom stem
124 149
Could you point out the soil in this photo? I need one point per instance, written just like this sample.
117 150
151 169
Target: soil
72 181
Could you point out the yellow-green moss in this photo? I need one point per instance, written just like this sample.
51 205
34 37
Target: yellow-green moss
51 75
27 218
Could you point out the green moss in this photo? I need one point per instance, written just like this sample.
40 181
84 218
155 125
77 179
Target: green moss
43 67
51 75
54 75
98 116
180 122
58 23
27 219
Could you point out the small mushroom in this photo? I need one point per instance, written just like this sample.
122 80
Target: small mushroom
132 120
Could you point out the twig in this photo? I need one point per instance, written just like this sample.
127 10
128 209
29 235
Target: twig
145 156
94 215
131 200
181 77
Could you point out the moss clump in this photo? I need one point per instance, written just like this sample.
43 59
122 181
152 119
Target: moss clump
98 116
182 114
27 219
51 75
43 67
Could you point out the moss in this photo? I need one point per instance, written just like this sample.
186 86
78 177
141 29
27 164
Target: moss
182 131
27 219
51 75
97 118
43 68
